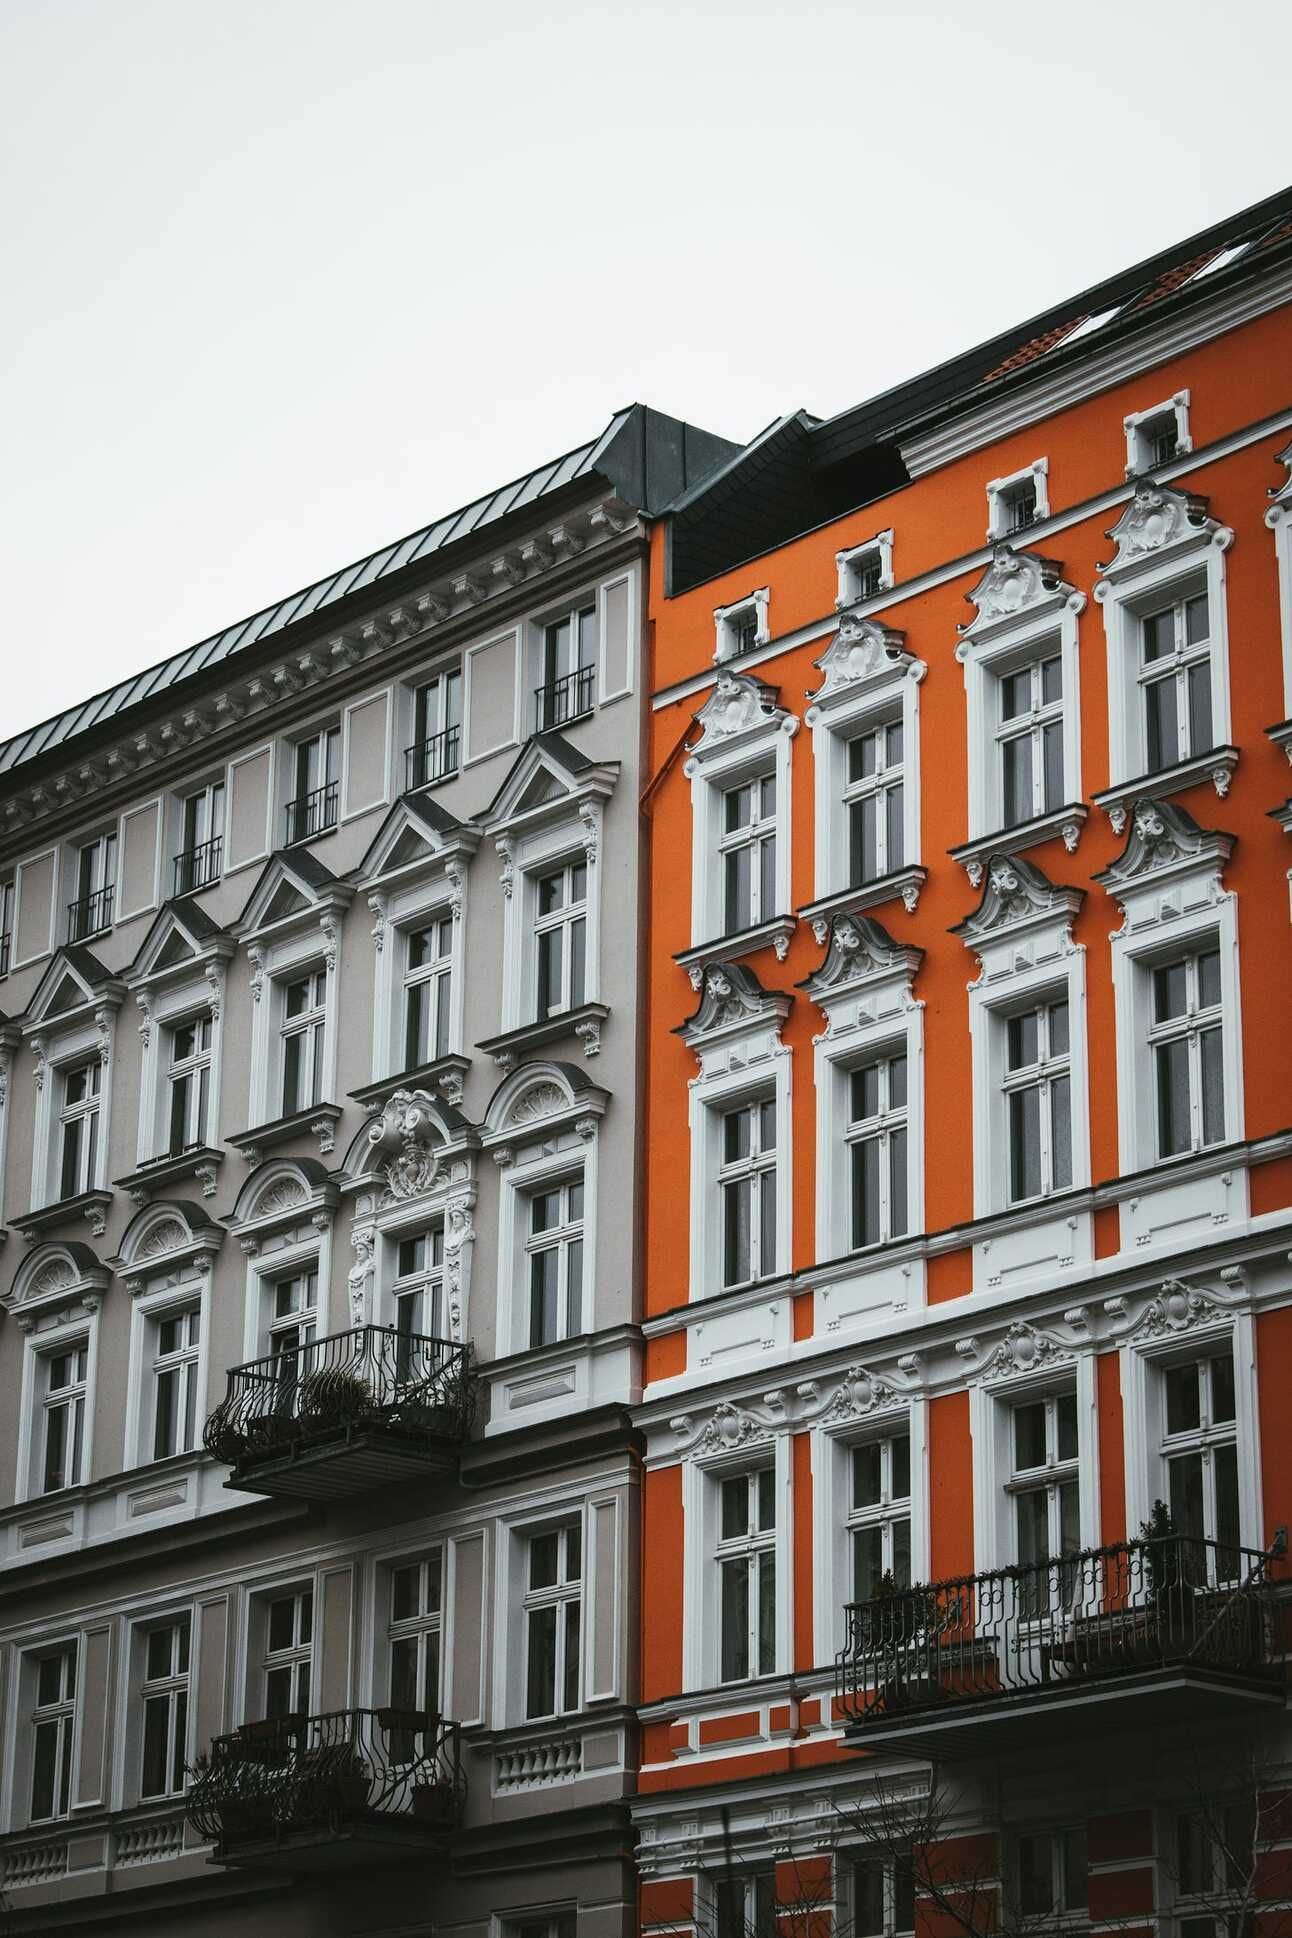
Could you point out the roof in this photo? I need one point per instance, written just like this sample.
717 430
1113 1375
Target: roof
803 471
647 456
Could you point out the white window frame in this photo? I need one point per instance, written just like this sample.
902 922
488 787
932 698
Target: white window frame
430 1281
166 999
870 680
545 1149
1278 518
757 1169
275 965
745 1553
566 1590
434 682
702 1476
56 1309
732 623
1142 427
296 1256
88 1111
104 874
744 735
1004 493
74 1397
211 814
431 1563
1060 1916
318 735
1167 549
262 1660
535 702
561 1238
869 1410
572 910
1050 1067
405 896
162 1285
186 1361
56 1049
856 563
1143 1361
992 1401
66 1714
176 1689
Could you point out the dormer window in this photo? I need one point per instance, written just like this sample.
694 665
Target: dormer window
90 912
437 730
316 774
569 670
1016 503
742 625
201 855
1155 436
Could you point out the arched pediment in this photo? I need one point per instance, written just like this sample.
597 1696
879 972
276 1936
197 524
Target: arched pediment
1016 895
412 1143
167 1232
283 1191
540 1093
53 1277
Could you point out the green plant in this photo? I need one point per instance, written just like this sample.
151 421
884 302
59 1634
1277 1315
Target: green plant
1161 1538
332 1396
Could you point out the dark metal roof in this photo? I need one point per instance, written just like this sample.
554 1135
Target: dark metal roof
647 456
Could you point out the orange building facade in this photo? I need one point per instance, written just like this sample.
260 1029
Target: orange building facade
969 1189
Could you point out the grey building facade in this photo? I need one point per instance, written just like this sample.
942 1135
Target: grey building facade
319 1146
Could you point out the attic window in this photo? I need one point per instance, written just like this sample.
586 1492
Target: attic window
1157 435
1016 503
865 570
742 626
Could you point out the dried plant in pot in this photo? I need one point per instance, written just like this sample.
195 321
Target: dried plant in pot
331 1397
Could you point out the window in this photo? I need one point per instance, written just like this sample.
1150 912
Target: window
1052 1873
554 1248
883 1897
742 626
879 1515
1038 1100
1044 1490
1175 681
1029 736
316 765
428 985
96 880
746 1558
746 1906
285 1669
1216 1857
1200 1447
747 846
6 926
1019 504
876 1134
552 1617
747 1187
52 1722
416 1591
188 1078
66 1373
1186 1042
176 1341
292 1315
78 1117
437 730
1016 503
201 853
561 939
865 570
874 795
304 1009
1154 437
569 669
164 1695
418 1295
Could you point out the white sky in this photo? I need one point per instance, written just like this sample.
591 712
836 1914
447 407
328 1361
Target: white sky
287 278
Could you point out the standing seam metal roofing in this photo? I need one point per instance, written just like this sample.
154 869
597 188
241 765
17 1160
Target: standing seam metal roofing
422 544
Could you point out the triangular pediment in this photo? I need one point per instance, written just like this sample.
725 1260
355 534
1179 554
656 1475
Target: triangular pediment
546 774
73 979
417 832
293 883
182 934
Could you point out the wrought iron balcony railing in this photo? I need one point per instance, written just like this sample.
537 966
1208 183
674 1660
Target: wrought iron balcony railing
569 698
200 866
314 1777
342 1413
313 813
91 914
432 760
1058 1626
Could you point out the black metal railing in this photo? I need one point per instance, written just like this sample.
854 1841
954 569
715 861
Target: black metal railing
345 1383
432 760
200 866
1110 1611
327 1774
568 698
313 813
91 914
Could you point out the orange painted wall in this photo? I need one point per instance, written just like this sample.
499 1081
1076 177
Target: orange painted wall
1112 1449
662 1530
950 1487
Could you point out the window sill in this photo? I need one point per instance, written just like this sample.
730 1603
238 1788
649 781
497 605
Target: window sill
91 1205
320 1119
1066 821
1216 766
585 1023
1281 735
203 1163
774 933
446 1074
903 883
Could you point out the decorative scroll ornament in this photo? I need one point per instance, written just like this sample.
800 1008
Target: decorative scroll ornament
739 704
1012 583
861 1392
1176 1309
407 1136
1022 1350
862 650
143 1003
541 1100
1159 519
732 1427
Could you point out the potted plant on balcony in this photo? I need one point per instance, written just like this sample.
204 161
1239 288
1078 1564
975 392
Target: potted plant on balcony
331 1398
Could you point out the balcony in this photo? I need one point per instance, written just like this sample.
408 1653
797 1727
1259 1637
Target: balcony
432 760
198 867
557 702
1132 1636
314 1793
342 1415
91 914
313 813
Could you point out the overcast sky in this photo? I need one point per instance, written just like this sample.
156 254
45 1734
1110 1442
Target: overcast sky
285 279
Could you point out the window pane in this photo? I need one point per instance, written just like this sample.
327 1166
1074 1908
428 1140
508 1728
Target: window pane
865 840
1023 1040
570 1693
867 1562
165 1433
44 1767
578 954
1199 687
1183 1398
1222 1388
1052 761
766 1614
736 1267
897 1184
1159 634
901 1563
1196 626
544 1554
767 1222
574 1287
1227 1515
1065 1426
865 1093
1161 723
1017 755
735 1620
896 1082
1185 1492
767 878
550 946
1029 1436
1051 680
1060 1134
156 1730
868 1899
1058 1029
540 1667
1035 1875
900 1486
894 811
1069 1518
865 1192
1075 1887
1016 693
1172 1098
1208 978
735 1507
544 1270
1211 1056
737 1128
1025 1142
405 1593
867 1469
1170 991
